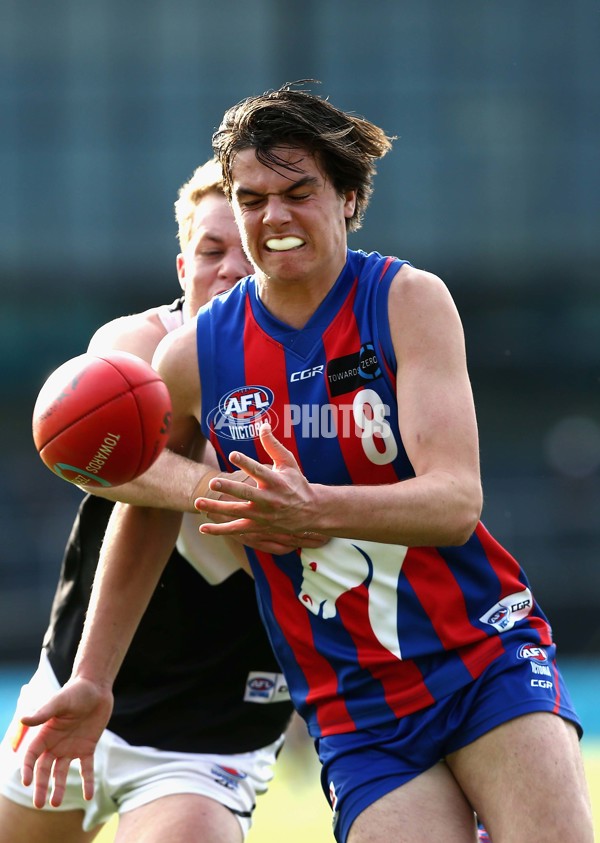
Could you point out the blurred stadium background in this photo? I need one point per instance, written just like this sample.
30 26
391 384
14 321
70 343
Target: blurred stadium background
493 183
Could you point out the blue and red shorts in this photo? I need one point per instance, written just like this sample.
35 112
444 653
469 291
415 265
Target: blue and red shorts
358 768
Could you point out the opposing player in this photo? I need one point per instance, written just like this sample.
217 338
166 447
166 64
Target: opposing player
200 704
412 643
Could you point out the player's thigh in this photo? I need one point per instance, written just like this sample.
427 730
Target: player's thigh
181 818
427 808
526 778
28 825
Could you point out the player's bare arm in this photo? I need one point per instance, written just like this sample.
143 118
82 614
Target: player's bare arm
76 716
136 548
436 411
139 334
171 482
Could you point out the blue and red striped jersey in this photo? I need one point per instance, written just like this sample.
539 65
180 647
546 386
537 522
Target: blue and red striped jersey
364 631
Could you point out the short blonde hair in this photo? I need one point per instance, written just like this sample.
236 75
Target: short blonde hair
208 178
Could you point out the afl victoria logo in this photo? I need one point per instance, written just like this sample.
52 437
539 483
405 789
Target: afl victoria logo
533 652
499 615
261 685
242 411
246 405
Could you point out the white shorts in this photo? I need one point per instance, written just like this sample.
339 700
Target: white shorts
127 777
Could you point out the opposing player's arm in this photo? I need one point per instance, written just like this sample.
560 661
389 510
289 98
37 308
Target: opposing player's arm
176 361
136 547
172 480
139 540
138 333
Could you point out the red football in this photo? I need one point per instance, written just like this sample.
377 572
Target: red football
102 420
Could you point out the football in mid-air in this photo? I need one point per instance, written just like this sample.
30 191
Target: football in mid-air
102 420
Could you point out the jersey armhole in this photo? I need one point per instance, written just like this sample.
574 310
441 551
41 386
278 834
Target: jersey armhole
382 314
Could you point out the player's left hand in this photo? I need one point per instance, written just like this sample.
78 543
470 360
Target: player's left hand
71 723
282 501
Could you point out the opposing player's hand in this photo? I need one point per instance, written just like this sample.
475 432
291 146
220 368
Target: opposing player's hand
281 500
279 543
70 724
205 490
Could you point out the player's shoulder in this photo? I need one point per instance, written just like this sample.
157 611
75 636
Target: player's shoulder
177 346
412 276
414 286
138 333
419 305
176 361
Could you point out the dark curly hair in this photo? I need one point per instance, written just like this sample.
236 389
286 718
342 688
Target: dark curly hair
346 146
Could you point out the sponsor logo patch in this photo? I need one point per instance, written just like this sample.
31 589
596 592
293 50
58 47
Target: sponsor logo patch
266 687
350 372
509 610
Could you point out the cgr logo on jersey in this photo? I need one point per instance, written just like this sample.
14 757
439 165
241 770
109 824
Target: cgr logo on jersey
345 374
242 411
512 608
305 374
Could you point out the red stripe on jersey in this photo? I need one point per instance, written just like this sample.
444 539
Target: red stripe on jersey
214 441
264 354
476 657
543 629
505 567
293 621
481 649
400 680
386 265
341 335
557 686
507 570
391 375
433 584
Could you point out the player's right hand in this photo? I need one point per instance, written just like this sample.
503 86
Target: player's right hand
276 542
70 725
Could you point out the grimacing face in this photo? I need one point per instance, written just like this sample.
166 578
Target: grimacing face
214 260
293 222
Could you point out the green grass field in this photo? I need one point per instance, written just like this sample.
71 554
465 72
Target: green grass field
295 810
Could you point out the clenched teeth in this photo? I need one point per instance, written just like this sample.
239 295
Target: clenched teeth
284 244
